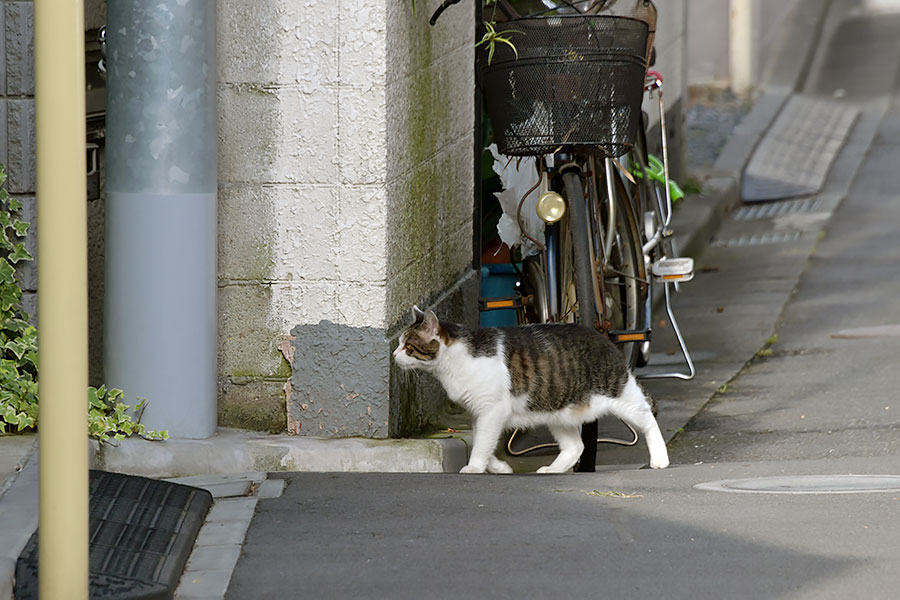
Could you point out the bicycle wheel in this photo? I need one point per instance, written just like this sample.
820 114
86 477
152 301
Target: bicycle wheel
609 296
613 293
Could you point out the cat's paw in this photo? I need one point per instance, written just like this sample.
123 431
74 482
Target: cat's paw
498 466
546 469
660 462
468 469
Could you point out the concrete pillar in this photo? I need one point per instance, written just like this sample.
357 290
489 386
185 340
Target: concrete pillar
346 195
740 48
160 300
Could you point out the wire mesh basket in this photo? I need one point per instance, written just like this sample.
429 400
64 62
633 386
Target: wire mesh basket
571 81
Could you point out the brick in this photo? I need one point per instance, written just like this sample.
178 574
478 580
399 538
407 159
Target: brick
247 339
19 17
277 135
21 165
363 244
3 55
255 405
4 128
283 42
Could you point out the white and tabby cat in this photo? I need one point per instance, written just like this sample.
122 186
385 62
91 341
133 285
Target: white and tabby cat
560 376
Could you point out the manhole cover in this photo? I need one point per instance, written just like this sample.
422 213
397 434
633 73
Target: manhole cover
806 484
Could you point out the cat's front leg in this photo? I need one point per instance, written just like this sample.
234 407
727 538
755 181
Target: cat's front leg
488 427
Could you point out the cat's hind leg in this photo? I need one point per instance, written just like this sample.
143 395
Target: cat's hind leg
634 408
495 465
570 447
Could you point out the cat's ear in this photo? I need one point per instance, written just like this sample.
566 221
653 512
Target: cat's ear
430 325
426 322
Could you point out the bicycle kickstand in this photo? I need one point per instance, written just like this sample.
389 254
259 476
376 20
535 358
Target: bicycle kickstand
670 270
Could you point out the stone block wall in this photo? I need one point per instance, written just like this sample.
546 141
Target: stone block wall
345 162
17 154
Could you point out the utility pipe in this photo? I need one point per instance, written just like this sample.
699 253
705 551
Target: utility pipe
62 301
160 292
740 47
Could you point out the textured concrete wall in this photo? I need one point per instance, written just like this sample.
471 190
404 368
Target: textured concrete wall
345 168
671 61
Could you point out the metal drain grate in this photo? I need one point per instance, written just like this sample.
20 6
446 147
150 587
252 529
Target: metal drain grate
794 156
141 534
769 210
758 239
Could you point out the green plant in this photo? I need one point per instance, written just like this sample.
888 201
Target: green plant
18 339
492 36
656 172
766 350
108 417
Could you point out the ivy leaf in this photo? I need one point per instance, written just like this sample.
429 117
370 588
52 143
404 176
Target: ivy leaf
19 253
21 227
10 295
7 273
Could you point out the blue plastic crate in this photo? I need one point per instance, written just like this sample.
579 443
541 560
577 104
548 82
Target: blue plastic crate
497 281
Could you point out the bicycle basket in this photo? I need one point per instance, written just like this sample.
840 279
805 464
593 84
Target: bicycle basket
577 81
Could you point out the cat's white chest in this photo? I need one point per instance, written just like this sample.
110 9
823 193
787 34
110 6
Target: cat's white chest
471 381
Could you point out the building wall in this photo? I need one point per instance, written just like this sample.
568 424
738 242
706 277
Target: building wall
708 34
345 162
671 63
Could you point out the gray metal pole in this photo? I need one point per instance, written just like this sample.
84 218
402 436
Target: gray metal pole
160 291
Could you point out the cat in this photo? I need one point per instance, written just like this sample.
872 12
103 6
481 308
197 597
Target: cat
558 375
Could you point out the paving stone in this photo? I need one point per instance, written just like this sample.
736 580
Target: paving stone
203 584
213 558
222 533
232 509
219 478
270 488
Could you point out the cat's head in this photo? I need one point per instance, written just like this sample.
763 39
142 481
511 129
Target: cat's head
421 343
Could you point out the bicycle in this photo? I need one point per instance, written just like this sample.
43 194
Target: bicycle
565 95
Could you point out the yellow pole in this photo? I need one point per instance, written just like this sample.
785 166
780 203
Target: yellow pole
62 298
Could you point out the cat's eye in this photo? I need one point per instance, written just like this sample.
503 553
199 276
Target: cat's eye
409 350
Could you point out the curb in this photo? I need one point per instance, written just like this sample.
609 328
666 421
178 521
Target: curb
234 451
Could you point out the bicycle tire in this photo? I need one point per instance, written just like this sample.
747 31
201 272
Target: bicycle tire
578 225
623 276
623 308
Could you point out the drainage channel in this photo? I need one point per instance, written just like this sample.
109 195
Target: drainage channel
806 484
